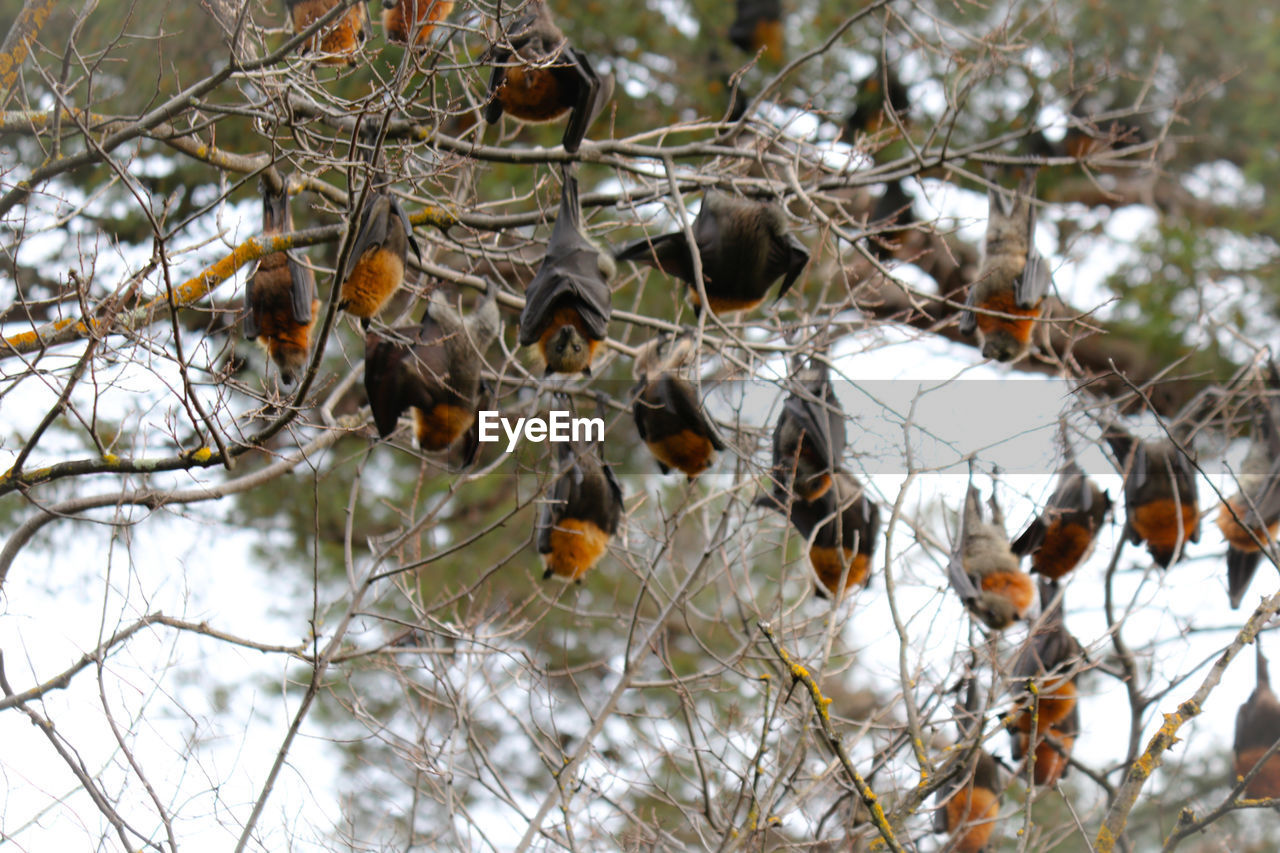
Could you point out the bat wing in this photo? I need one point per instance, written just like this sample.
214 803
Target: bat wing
668 252
613 513
1033 284
1265 508
400 214
500 57
821 420
251 328
968 320
381 363
639 408
1030 540
679 396
375 220
792 256
585 106
562 493
302 289
1184 474
956 575
1241 566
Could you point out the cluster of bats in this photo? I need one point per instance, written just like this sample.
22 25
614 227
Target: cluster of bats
736 250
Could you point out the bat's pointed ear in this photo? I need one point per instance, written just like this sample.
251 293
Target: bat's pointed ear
547 371
586 371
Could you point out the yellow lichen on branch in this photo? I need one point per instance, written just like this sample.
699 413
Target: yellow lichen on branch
822 705
18 41
190 291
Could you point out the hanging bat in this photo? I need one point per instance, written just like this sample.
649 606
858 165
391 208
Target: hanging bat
743 246
567 304
984 571
668 415
1013 278
281 295
435 370
400 19
847 524
1051 713
583 512
338 42
1062 536
1161 499
969 807
538 77
1257 728
375 268
809 439
1250 518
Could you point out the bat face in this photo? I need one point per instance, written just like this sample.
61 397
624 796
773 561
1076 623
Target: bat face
412 21
337 44
1005 339
564 345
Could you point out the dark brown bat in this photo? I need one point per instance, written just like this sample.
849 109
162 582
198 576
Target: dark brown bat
376 266
538 77
581 515
435 370
568 302
338 42
878 93
758 24
969 807
1257 728
1051 713
743 246
847 524
809 439
1013 278
1063 534
400 19
1161 499
984 571
281 296
668 415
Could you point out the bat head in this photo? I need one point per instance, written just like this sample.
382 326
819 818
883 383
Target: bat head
290 358
995 611
567 351
1000 345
